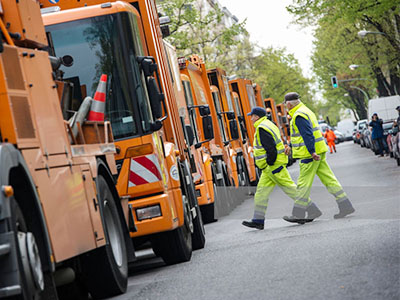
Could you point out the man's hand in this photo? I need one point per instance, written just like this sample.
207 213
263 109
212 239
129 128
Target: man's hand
315 156
287 150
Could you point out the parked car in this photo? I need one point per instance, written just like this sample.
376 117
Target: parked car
354 135
360 126
339 137
346 127
396 145
389 140
385 107
365 137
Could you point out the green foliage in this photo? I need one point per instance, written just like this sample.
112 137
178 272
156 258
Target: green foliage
337 46
197 30
278 73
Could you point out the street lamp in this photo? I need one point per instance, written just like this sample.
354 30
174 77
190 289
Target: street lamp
353 67
363 33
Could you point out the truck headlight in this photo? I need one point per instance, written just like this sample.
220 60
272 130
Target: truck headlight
149 212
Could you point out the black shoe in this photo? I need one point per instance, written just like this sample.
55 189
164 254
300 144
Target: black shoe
345 208
252 224
313 212
293 219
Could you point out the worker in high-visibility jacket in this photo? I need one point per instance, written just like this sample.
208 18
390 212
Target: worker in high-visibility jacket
270 157
309 146
330 138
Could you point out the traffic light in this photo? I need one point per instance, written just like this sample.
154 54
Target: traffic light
335 82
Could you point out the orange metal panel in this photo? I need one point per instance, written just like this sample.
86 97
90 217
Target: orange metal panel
168 220
64 202
51 130
93 209
23 17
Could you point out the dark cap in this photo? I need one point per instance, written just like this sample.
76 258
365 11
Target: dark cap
291 96
259 111
398 107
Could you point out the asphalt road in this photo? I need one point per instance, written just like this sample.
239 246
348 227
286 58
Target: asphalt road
353 258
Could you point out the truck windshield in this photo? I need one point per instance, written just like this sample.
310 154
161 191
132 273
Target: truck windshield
250 94
99 46
228 93
240 117
220 120
192 113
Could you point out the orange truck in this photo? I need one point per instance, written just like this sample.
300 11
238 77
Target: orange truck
200 162
257 94
60 213
195 80
221 93
278 114
124 40
245 97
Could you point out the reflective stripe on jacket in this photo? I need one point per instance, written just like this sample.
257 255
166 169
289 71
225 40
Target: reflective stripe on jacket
299 148
260 155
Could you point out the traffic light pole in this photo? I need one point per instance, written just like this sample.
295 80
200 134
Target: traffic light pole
361 90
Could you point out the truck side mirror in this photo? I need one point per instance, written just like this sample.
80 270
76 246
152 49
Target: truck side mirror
155 97
190 134
234 129
148 66
208 129
204 110
230 115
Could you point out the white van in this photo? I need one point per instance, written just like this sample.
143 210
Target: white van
346 127
385 107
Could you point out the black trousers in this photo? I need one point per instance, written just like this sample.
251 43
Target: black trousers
381 145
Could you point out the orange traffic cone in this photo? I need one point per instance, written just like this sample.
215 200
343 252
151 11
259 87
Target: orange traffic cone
96 112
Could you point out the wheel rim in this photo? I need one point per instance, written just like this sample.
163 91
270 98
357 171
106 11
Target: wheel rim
34 261
32 267
113 234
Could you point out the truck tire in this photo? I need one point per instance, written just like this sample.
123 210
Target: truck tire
198 234
245 172
175 246
110 277
29 264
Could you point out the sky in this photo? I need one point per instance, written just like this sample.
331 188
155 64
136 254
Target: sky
269 24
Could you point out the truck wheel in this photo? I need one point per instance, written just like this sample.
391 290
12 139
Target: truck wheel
245 172
29 264
199 232
106 268
175 246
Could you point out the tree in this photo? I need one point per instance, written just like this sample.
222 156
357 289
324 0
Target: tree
278 73
337 46
199 29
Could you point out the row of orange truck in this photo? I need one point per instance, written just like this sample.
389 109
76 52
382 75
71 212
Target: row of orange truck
172 141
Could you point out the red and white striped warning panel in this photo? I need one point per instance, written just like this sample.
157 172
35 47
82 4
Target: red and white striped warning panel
143 170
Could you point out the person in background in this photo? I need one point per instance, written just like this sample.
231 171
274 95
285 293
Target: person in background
397 122
270 157
330 138
308 145
377 134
